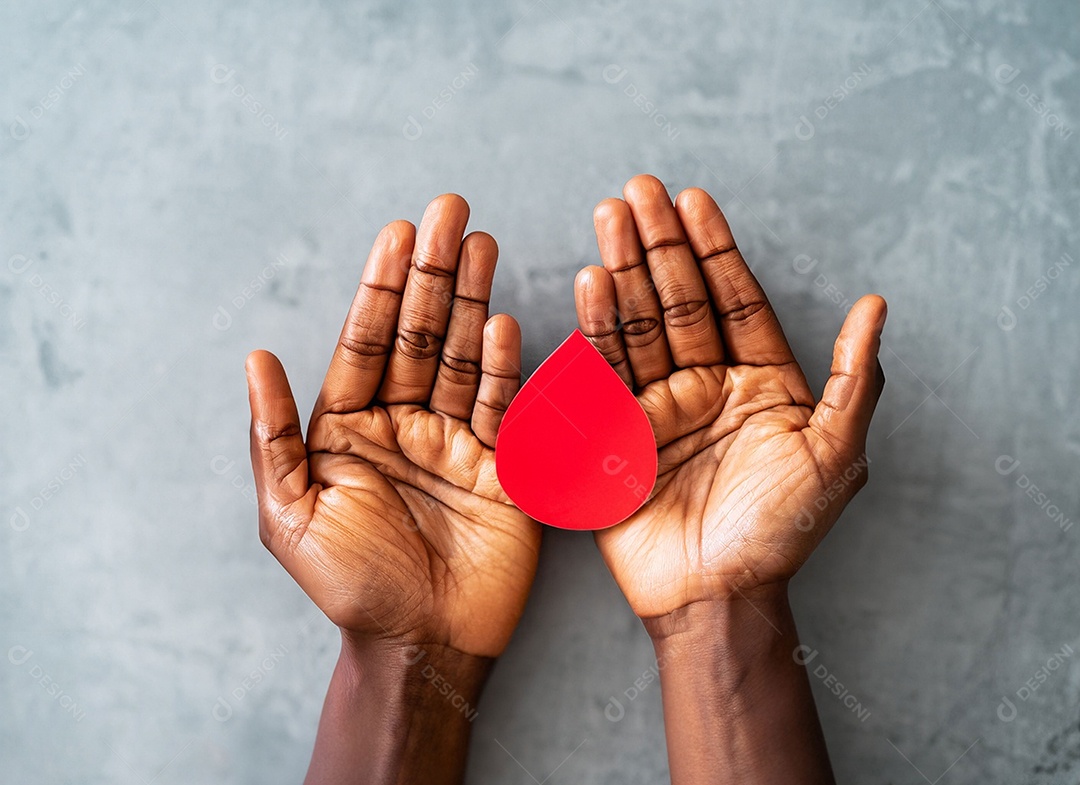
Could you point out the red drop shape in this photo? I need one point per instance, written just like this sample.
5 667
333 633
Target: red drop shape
575 449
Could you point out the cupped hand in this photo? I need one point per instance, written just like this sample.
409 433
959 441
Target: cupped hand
390 515
753 471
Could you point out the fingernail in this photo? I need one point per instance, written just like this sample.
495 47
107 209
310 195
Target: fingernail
881 319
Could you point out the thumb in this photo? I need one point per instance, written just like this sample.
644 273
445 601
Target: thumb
842 417
278 455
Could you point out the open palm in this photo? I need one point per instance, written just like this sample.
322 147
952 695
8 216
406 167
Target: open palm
390 516
752 473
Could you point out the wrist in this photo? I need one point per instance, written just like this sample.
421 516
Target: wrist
736 697
725 649
740 613
397 712
429 677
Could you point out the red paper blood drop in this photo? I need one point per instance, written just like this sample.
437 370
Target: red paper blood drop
575 449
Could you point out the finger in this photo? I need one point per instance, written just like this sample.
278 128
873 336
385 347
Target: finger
502 376
842 417
638 306
688 316
278 455
594 297
458 377
356 369
751 332
425 306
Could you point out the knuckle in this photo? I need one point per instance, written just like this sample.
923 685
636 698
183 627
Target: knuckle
665 241
460 369
641 333
745 310
268 433
417 345
640 326
722 256
430 263
686 314
356 350
607 343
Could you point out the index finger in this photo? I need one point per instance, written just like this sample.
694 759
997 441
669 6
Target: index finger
356 369
752 333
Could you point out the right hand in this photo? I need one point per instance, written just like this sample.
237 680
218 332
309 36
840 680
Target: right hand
753 471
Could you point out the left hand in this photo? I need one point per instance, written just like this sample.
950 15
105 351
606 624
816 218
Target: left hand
390 515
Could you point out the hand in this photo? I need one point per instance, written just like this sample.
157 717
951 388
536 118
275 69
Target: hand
752 472
390 516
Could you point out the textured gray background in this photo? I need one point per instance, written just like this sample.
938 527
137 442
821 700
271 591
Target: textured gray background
143 196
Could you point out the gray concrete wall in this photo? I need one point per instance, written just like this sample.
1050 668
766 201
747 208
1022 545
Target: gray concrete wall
890 147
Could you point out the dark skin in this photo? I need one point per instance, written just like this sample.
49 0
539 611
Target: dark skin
744 450
391 518
390 515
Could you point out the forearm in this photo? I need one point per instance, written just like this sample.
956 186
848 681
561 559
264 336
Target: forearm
396 715
737 703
